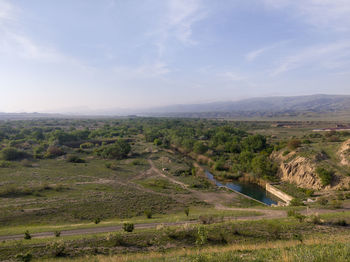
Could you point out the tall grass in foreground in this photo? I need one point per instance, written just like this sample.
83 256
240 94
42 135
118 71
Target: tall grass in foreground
313 250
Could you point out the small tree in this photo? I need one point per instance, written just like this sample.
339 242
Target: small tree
128 227
148 214
294 144
187 211
97 220
202 236
27 235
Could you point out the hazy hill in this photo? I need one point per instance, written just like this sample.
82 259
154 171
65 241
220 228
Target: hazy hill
261 106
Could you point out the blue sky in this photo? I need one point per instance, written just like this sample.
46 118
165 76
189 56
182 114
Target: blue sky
87 55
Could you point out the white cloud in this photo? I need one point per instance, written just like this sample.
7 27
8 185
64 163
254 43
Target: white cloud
232 76
330 14
151 70
177 23
328 56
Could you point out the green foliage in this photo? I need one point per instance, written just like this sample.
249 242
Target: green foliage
296 202
5 164
325 175
27 257
200 147
12 154
262 166
119 150
128 227
53 151
187 211
57 233
202 236
148 213
75 159
27 235
97 220
294 144
297 215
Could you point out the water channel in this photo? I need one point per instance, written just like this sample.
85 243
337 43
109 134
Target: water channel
252 190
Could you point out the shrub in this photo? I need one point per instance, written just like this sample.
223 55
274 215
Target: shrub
128 227
53 151
148 214
206 219
24 257
325 175
297 215
57 233
27 235
336 204
296 202
75 159
285 153
322 201
119 150
294 144
97 220
315 219
86 145
5 164
202 236
187 211
341 222
12 154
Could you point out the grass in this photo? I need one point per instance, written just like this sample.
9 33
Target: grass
194 214
289 251
225 242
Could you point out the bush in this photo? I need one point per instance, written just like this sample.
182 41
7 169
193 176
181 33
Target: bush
75 159
24 257
202 236
57 233
296 202
341 222
27 235
294 144
148 214
86 145
187 211
97 220
325 175
336 204
128 227
12 154
5 164
295 214
53 151
119 150
315 219
322 201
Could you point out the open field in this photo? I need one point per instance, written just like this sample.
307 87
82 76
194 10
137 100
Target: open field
83 180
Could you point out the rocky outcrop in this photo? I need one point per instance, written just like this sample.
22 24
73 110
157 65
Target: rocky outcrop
344 153
300 171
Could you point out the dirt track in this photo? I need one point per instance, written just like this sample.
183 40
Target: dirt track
206 197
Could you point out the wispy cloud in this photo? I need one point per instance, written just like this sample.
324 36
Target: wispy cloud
177 23
322 56
251 56
331 14
14 42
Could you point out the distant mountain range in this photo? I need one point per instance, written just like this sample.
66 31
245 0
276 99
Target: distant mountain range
254 107
262 106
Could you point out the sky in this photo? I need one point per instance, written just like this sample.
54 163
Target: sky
86 56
